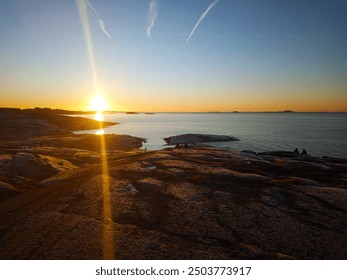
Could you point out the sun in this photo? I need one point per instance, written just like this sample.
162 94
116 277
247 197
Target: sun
98 103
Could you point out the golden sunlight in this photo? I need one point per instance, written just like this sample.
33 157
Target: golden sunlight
100 132
98 103
99 116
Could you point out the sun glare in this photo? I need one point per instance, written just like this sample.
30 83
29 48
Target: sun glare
99 116
98 104
100 132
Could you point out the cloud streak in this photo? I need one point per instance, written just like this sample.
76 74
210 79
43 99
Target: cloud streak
151 16
201 18
97 18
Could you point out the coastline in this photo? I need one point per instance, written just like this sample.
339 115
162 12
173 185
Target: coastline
319 134
195 203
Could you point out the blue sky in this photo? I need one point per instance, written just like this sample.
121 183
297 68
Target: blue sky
245 55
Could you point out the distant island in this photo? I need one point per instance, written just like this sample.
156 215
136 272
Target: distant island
131 113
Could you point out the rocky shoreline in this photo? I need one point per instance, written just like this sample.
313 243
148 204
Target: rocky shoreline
23 124
194 203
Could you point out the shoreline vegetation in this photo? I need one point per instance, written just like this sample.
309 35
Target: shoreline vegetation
192 202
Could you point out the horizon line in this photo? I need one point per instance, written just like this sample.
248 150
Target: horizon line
172 111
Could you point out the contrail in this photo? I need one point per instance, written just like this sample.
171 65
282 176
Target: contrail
151 16
97 17
201 18
82 8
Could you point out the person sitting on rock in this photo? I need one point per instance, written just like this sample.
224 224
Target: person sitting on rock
296 151
304 152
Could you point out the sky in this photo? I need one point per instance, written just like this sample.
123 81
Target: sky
245 55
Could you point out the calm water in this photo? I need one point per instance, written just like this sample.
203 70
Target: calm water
319 133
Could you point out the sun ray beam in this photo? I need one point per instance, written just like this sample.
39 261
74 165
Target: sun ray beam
82 8
107 230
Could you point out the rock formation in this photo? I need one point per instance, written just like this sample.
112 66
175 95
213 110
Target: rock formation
195 204
198 138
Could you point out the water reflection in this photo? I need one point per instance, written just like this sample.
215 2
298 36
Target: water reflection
100 132
99 116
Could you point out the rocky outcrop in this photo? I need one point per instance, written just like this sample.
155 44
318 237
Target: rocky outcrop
7 190
90 142
198 138
60 200
37 150
22 124
27 165
76 123
28 127
52 158
195 204
24 168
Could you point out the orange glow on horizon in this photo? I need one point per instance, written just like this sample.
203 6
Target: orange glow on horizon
302 103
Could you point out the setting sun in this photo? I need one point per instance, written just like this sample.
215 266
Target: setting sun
98 103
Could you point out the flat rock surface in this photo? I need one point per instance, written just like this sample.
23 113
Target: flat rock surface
178 204
198 138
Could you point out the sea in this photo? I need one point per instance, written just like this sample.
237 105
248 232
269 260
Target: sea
320 134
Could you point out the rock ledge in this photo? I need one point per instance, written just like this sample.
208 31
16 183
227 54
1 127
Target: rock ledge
198 138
